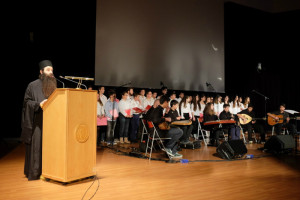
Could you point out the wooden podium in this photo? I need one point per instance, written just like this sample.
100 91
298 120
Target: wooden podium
69 135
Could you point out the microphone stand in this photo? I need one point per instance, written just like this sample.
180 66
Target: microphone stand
266 98
60 82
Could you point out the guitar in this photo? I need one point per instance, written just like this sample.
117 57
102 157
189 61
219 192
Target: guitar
248 119
272 121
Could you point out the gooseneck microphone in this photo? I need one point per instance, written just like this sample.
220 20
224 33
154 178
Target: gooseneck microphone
78 83
60 82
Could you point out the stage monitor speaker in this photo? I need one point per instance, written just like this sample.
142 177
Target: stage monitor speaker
232 149
280 143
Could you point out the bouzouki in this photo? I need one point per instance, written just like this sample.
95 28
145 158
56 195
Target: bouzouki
248 119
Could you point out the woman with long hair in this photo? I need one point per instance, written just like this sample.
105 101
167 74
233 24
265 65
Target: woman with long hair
215 131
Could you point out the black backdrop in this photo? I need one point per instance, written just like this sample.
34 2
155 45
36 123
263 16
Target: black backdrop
66 35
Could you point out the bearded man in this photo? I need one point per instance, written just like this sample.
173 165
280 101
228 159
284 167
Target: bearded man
36 95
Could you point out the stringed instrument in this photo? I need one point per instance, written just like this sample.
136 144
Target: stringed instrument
164 126
248 119
272 121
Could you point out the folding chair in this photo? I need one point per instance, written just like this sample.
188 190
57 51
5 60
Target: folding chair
284 131
154 137
200 120
144 131
242 132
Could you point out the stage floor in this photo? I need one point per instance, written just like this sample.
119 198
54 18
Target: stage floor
206 176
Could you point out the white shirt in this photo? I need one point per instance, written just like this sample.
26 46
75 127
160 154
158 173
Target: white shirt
218 108
202 107
125 105
186 109
135 104
234 110
147 102
103 99
197 112
100 109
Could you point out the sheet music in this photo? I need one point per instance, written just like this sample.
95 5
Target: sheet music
291 111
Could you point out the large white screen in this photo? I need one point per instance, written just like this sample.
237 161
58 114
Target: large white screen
145 42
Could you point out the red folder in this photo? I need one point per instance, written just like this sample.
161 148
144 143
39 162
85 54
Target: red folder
128 112
101 121
138 110
148 107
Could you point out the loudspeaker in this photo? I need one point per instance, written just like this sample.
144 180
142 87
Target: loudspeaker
280 143
232 149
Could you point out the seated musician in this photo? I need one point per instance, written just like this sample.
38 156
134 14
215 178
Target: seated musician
174 115
252 125
215 131
173 133
285 122
234 130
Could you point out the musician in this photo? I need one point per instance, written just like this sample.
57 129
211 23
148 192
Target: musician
286 120
174 115
174 133
252 125
215 131
234 130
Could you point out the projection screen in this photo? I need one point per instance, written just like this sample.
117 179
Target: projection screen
150 43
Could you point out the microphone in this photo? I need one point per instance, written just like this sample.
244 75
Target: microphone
78 83
79 78
60 81
207 84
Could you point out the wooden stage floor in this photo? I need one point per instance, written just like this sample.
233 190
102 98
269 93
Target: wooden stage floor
206 176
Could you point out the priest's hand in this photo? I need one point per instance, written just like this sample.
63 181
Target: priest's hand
42 103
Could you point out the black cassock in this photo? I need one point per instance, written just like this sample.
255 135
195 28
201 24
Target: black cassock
32 121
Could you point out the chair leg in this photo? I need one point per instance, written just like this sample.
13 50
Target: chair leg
242 132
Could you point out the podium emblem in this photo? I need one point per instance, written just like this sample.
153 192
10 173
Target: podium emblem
82 133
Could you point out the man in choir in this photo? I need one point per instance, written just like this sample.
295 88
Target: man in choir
36 95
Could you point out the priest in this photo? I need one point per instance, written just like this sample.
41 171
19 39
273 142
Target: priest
35 96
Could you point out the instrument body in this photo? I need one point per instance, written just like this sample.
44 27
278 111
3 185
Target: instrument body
164 126
182 122
219 122
248 119
272 121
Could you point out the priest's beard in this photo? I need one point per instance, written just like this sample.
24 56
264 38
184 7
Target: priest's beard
49 84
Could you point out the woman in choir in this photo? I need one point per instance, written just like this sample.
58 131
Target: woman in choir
226 99
185 108
235 106
218 105
246 102
202 104
241 103
101 121
124 117
196 107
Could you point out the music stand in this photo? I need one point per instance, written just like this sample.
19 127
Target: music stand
293 112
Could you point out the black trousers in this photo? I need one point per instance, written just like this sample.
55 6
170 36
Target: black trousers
257 128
